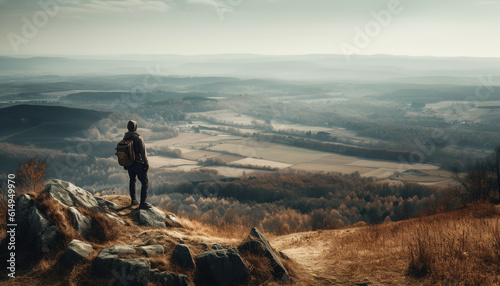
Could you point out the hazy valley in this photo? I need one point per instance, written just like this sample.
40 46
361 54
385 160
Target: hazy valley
308 149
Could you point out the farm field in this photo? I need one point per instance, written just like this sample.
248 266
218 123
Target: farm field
249 153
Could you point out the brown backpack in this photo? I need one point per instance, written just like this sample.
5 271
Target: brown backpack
125 153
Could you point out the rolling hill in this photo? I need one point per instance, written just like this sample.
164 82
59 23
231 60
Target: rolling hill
37 123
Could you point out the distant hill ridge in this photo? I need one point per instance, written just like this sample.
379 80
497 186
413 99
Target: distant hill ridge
32 121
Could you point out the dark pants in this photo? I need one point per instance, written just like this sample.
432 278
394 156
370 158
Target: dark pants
138 170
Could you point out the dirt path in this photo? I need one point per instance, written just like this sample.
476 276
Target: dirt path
309 250
352 256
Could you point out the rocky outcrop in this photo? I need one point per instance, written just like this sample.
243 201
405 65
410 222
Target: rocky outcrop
70 195
166 278
80 223
102 263
221 267
34 225
132 271
182 256
76 252
259 245
150 217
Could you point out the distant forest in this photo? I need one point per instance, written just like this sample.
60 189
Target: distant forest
286 202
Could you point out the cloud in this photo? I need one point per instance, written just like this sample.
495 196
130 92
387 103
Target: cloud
203 2
117 6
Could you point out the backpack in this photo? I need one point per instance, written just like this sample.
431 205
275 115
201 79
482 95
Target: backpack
125 153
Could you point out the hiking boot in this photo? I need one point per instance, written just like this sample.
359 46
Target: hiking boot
134 203
145 206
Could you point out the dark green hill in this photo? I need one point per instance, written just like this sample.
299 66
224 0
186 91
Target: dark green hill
37 123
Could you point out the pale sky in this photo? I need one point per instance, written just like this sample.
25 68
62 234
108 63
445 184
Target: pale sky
272 27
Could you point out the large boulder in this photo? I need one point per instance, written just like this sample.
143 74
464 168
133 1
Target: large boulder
221 267
182 256
80 222
70 195
76 252
150 217
102 263
132 271
34 225
166 278
259 245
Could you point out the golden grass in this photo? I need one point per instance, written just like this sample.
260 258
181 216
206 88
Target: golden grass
259 267
58 215
457 248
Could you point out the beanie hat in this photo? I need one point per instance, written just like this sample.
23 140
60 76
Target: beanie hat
132 126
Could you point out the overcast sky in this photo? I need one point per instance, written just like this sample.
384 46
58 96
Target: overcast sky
274 27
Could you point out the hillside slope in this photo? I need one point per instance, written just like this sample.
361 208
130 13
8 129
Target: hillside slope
70 237
35 123
66 236
455 248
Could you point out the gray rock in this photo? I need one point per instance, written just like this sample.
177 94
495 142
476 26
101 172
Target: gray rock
70 195
34 225
133 272
259 245
80 223
221 267
253 246
107 204
76 252
150 217
182 256
46 240
102 263
166 278
150 250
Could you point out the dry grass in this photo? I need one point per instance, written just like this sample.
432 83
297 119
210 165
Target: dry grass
104 229
58 215
460 247
259 267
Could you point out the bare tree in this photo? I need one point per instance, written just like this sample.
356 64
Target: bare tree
476 180
495 168
31 176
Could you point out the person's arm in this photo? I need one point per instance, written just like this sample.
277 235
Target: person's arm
144 153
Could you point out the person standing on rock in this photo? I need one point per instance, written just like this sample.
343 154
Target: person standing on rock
140 166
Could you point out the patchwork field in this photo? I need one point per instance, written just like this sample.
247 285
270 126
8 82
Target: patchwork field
240 155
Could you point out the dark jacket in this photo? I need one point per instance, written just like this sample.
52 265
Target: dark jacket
141 155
